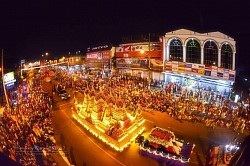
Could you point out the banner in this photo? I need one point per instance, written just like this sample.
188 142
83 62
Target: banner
208 67
181 67
195 68
174 66
201 69
99 55
207 73
9 78
139 48
214 71
188 67
220 72
231 75
220 75
232 72
208 70
226 74
155 47
168 65
119 49
126 48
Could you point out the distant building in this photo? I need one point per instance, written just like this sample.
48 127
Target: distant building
100 57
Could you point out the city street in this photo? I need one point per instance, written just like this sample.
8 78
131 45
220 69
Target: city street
84 149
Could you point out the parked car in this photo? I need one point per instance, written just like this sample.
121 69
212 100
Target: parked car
64 94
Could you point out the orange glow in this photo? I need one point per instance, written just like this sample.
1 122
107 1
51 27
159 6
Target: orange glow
119 145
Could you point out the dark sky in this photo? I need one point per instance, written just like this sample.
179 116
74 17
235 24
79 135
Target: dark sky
30 28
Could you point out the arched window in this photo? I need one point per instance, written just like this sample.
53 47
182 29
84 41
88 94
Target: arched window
226 56
210 53
175 50
193 54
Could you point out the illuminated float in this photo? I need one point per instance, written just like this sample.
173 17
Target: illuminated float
109 120
162 146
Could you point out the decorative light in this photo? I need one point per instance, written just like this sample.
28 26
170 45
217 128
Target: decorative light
119 145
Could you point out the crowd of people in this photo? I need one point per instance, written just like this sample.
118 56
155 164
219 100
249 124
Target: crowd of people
26 128
212 108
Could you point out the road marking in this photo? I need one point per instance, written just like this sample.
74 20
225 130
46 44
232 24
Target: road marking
80 129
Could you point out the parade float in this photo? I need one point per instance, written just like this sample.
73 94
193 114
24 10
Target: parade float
107 118
162 146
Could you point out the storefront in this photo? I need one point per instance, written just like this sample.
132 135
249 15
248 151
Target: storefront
197 81
133 59
100 58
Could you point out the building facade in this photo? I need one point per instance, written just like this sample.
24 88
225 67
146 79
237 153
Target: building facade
100 57
141 59
199 60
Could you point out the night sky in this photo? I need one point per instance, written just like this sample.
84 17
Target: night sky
31 28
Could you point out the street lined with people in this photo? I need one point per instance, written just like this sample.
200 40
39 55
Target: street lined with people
27 134
182 103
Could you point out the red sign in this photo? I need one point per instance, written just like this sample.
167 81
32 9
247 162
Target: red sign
126 48
99 55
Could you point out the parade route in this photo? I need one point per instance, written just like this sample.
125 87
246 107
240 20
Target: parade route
78 140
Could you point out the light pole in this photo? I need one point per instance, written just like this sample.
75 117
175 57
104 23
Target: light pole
100 58
46 55
66 61
4 88
44 58
149 68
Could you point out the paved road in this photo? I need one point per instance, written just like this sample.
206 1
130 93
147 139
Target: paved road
85 149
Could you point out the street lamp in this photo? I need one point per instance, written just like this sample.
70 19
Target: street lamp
67 61
4 88
44 58
46 54
142 51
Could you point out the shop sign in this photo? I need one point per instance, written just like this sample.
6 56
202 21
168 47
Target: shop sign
168 66
174 66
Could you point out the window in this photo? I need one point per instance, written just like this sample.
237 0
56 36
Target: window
226 56
193 54
176 51
210 54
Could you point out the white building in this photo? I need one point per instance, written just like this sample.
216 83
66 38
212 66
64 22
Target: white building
201 60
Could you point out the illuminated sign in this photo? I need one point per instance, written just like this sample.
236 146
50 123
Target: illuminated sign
9 78
99 55
99 48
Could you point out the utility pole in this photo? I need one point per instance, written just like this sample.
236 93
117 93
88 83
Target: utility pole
4 88
149 69
149 49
